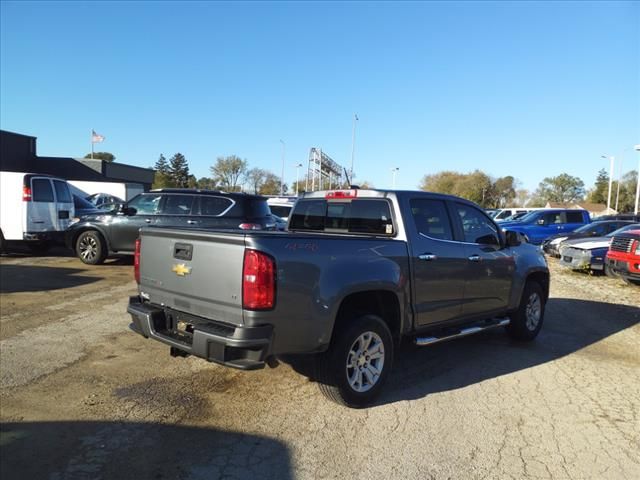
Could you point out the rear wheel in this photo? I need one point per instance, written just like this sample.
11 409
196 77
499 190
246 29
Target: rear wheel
527 320
91 248
354 369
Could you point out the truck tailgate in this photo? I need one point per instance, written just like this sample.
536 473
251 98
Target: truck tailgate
196 272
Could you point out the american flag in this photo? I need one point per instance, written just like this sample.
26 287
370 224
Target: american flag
96 138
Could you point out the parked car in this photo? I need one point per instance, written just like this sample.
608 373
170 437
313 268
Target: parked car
539 225
623 257
589 253
515 216
503 213
83 208
104 201
357 271
35 209
98 235
281 206
595 229
621 216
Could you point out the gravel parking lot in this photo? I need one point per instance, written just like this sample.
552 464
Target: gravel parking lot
84 397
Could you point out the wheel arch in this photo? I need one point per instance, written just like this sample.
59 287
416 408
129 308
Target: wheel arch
383 303
90 228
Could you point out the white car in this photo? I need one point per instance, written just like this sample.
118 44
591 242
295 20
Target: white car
282 206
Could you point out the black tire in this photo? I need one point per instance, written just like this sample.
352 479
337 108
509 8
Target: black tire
527 320
609 272
344 365
91 248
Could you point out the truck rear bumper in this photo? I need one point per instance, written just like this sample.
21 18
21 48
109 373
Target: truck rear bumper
246 348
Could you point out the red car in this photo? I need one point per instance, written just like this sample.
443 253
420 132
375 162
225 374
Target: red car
623 257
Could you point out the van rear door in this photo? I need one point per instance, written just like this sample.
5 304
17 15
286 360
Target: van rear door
41 212
64 205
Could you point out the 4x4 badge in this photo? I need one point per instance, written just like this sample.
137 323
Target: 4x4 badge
181 269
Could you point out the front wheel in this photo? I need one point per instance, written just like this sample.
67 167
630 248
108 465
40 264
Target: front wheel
354 369
91 248
527 320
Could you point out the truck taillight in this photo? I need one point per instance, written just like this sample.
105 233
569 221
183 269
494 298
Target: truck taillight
258 281
26 194
136 261
342 194
250 226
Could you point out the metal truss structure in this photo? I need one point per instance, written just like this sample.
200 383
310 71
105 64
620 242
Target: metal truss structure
323 173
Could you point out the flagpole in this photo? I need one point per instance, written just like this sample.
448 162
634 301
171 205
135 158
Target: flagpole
91 144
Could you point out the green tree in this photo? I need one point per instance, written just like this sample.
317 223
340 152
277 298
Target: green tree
106 156
179 171
442 182
601 188
161 178
503 192
627 197
563 188
206 183
228 172
255 178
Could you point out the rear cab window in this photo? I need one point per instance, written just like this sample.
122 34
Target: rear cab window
370 216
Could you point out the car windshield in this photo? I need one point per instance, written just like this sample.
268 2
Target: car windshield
632 226
79 202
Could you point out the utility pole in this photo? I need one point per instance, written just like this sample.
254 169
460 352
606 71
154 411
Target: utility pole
637 149
353 143
611 159
297 176
282 176
393 172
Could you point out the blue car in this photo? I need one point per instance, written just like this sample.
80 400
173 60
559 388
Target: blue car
539 225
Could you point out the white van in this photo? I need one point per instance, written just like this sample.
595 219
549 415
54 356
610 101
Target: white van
34 208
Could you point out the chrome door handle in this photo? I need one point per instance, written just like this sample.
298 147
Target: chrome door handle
474 258
193 222
428 257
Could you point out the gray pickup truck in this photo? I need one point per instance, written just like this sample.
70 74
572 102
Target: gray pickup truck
357 271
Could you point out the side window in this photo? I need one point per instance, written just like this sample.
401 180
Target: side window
213 206
41 190
431 218
62 191
600 230
145 204
552 218
309 215
177 204
476 226
574 217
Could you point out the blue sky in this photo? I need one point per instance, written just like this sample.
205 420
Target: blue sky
529 89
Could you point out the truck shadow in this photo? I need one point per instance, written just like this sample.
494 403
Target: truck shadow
126 450
570 326
28 278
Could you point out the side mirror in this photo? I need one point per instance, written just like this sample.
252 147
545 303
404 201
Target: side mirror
124 210
513 239
541 222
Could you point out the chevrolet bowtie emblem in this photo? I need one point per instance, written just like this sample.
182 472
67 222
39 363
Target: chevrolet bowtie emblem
181 269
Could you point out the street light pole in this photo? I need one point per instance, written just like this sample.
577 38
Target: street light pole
637 149
297 176
394 171
611 159
282 176
353 144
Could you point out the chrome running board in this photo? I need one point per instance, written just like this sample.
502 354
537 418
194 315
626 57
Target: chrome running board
496 322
